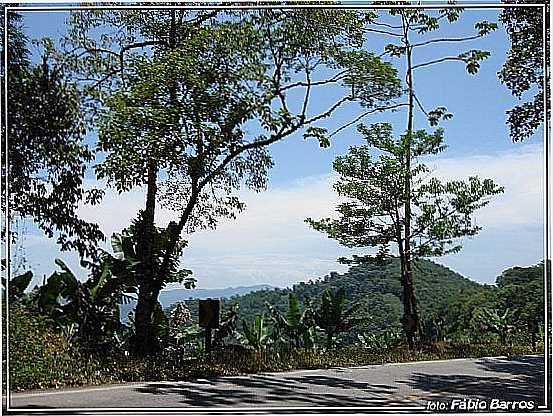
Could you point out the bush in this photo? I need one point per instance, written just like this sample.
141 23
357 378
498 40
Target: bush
40 358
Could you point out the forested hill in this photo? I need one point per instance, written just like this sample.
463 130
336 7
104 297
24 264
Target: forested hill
376 290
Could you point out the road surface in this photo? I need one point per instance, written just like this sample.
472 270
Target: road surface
401 386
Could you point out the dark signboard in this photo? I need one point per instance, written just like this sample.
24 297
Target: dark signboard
209 313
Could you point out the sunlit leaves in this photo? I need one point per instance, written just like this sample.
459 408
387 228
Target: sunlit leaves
439 113
472 58
484 27
318 133
524 67
376 194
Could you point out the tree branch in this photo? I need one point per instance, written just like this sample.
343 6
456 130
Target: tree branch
437 61
428 42
366 113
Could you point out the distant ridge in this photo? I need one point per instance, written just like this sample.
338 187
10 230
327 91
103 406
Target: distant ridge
171 296
168 297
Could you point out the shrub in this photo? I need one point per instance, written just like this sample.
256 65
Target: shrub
41 358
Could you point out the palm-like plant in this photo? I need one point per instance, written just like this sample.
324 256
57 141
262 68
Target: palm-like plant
90 309
297 325
332 316
494 321
256 336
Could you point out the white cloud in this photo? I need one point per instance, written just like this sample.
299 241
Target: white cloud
520 171
270 242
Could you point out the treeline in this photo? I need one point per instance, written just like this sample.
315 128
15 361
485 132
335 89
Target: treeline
453 308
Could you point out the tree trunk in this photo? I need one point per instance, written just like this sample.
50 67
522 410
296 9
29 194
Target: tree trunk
410 315
329 340
151 280
144 341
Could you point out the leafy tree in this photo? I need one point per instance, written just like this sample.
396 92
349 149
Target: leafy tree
173 118
391 199
524 70
521 290
45 162
332 316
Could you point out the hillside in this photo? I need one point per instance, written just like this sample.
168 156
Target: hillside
376 290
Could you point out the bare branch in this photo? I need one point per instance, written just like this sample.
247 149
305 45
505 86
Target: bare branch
437 61
384 32
420 105
428 42
335 78
366 113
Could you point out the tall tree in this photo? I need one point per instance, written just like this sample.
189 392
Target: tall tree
526 65
44 166
190 118
391 199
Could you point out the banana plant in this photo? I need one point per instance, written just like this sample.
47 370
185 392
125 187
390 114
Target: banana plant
496 322
89 308
332 316
18 285
256 336
297 325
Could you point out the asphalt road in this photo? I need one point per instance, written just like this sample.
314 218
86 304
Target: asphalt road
401 386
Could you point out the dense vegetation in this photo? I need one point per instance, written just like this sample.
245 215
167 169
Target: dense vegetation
167 119
282 329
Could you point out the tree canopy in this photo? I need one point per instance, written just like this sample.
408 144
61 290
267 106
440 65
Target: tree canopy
46 159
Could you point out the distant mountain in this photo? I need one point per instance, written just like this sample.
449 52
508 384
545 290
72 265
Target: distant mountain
169 297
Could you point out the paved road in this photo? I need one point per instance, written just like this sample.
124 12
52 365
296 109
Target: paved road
398 385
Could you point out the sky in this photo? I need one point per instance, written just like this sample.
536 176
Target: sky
270 243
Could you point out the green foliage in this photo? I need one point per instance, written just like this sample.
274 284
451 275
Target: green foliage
524 70
87 312
521 289
256 336
41 358
295 326
46 158
376 192
374 293
390 338
18 285
332 316
495 321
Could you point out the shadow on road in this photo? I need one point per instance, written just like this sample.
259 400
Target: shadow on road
520 379
264 390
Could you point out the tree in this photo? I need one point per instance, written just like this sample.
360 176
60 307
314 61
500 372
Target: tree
173 119
524 70
390 199
520 289
44 167
332 316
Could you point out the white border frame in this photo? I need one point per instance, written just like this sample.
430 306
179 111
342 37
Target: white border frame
352 4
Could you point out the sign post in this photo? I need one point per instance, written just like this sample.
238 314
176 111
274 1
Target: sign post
209 310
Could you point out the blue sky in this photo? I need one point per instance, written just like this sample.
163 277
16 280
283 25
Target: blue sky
269 243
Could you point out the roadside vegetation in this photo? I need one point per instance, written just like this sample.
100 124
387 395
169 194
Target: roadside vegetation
184 104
